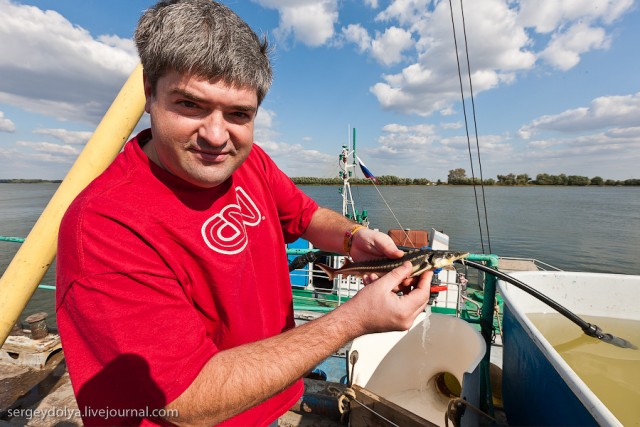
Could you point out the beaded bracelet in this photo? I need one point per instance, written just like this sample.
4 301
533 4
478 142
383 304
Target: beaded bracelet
348 237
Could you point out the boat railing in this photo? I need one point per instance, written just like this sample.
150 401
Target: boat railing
508 264
12 239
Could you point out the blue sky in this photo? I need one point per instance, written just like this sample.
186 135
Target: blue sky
555 84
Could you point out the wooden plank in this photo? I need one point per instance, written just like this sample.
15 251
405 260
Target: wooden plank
516 265
363 417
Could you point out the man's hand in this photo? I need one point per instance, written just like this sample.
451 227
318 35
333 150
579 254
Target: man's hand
368 244
378 308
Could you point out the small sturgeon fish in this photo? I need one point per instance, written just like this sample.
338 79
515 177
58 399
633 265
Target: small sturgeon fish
421 259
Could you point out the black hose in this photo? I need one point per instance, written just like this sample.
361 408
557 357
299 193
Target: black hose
304 259
588 328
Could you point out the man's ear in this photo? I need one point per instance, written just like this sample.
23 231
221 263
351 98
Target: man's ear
148 92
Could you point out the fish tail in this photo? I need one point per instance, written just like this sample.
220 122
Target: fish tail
331 272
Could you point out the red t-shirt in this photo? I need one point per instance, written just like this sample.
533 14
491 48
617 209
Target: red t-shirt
154 276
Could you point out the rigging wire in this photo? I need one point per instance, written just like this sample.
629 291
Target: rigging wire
355 174
466 123
406 235
475 126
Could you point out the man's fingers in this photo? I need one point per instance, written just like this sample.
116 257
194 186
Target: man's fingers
396 276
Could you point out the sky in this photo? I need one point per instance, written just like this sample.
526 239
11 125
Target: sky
555 84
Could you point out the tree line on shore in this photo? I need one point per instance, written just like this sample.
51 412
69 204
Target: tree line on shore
456 177
459 177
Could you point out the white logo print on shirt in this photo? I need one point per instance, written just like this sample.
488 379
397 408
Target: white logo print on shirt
225 232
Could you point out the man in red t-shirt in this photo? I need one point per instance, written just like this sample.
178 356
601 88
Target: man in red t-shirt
174 303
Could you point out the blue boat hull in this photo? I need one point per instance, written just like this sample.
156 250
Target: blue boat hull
533 392
539 387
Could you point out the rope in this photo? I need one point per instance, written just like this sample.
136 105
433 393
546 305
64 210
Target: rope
344 403
452 413
344 406
497 313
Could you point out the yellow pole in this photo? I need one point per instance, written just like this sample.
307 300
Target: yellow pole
36 254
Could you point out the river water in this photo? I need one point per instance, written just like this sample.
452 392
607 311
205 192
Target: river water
573 228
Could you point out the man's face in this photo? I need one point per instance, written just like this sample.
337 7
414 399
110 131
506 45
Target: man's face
202 131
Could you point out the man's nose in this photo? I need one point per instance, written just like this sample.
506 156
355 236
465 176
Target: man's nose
213 129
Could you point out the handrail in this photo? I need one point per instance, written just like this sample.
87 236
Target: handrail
24 273
12 239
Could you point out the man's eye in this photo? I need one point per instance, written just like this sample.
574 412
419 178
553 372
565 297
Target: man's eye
188 104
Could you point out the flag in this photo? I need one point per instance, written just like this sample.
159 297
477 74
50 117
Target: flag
367 173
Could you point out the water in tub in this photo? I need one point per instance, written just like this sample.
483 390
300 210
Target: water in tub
612 373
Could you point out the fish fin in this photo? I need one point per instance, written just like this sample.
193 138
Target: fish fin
331 272
425 267
347 262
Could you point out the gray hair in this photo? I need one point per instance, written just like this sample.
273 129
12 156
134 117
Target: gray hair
203 38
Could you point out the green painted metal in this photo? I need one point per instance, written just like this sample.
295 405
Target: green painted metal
486 328
299 251
12 239
354 146
21 240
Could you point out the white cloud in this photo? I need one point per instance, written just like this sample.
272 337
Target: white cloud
6 125
499 48
619 147
605 111
504 41
68 137
296 160
547 16
565 48
404 141
310 22
373 4
406 12
489 144
605 133
263 128
67 74
576 26
451 125
357 34
49 148
387 48
420 151
293 159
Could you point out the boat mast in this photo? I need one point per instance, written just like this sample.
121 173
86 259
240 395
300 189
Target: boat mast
346 172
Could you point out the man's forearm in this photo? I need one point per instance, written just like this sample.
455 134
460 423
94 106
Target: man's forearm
326 228
327 231
237 379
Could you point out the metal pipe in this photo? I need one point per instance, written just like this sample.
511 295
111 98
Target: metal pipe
36 254
486 327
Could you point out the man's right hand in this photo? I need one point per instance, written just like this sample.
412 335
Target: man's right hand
378 308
